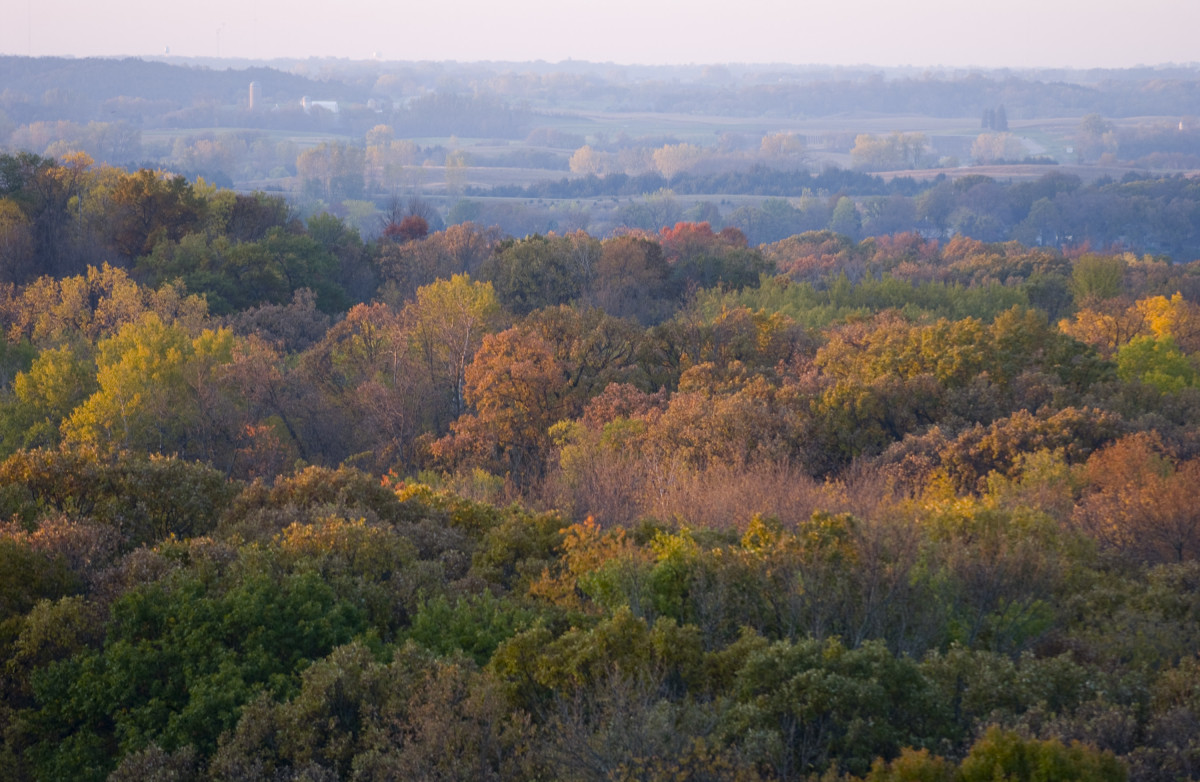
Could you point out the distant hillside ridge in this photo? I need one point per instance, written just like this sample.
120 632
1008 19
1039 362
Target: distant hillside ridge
94 80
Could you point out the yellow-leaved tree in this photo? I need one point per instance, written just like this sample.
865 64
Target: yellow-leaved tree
448 321
152 379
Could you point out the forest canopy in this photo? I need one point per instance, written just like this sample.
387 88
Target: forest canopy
280 501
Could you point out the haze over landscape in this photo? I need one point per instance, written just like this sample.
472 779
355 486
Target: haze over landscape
630 392
1015 34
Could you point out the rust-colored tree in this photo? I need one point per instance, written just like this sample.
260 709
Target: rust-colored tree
516 386
1142 503
409 229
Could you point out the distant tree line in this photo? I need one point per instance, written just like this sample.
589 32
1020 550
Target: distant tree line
760 180
1146 214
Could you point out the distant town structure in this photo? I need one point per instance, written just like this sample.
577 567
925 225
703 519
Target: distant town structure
255 95
309 104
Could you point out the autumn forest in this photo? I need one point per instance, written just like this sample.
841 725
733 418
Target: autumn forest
900 492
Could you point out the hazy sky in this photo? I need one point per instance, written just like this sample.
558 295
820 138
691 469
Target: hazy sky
1072 33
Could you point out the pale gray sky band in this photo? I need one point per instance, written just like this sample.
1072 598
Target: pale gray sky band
1013 33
